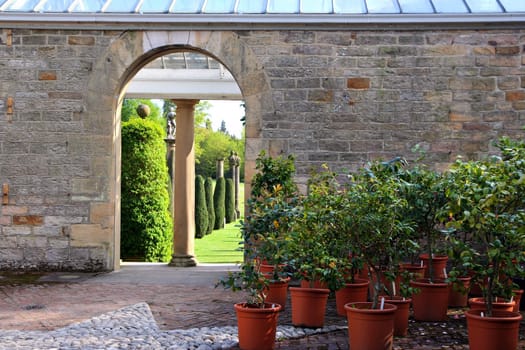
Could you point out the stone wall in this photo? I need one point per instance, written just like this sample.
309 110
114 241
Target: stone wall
340 98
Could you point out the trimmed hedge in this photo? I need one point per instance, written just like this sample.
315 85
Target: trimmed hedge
201 211
229 201
218 202
146 223
208 187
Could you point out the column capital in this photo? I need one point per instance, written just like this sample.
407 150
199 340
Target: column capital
185 102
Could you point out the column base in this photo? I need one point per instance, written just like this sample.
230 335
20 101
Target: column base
183 261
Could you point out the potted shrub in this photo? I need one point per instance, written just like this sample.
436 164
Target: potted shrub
377 207
270 211
256 318
486 201
424 191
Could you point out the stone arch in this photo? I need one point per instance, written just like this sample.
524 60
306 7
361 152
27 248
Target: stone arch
124 58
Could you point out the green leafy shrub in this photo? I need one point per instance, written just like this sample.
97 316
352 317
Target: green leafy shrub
146 225
229 201
218 202
201 211
208 187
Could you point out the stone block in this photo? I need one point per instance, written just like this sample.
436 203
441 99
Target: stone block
81 40
358 83
16 230
14 210
47 75
32 241
99 212
11 254
89 235
321 95
29 220
516 95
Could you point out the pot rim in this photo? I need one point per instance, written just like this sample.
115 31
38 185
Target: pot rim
509 316
269 308
363 307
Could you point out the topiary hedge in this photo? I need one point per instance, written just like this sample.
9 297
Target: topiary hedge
208 187
201 211
218 202
146 224
229 201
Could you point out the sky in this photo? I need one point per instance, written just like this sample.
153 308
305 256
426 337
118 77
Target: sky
229 111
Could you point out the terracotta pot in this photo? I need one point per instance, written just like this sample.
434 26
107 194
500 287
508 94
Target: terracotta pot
315 284
439 265
459 298
517 299
497 332
370 329
266 268
351 292
500 304
278 292
257 326
416 270
431 303
401 315
308 306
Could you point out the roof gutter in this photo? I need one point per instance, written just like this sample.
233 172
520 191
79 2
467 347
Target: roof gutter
131 21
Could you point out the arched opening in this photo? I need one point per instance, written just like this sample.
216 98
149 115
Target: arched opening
182 78
112 73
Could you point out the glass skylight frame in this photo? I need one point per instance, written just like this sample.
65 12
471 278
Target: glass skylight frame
264 7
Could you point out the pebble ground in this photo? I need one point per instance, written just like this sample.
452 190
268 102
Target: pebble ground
61 304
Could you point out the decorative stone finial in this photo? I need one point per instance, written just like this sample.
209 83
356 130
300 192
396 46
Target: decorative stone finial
143 111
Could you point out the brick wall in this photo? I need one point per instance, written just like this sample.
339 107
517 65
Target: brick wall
328 97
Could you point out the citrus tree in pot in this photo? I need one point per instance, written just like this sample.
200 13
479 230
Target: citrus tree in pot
486 200
311 248
424 192
256 318
377 207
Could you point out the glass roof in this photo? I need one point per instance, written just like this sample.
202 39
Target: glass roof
184 60
264 6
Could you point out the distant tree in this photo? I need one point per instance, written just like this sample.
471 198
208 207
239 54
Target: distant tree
218 202
208 187
229 201
201 211
223 127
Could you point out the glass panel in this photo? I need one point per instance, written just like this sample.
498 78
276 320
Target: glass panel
316 6
450 6
382 6
484 6
345 6
219 6
22 5
513 5
251 6
283 6
56 5
149 6
89 6
121 6
416 6
187 6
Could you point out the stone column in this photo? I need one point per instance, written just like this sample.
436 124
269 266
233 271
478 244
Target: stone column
220 168
184 191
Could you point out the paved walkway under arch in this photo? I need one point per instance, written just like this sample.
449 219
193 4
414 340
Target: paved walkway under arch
177 298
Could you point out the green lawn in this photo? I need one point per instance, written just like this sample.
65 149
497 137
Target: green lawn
221 246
